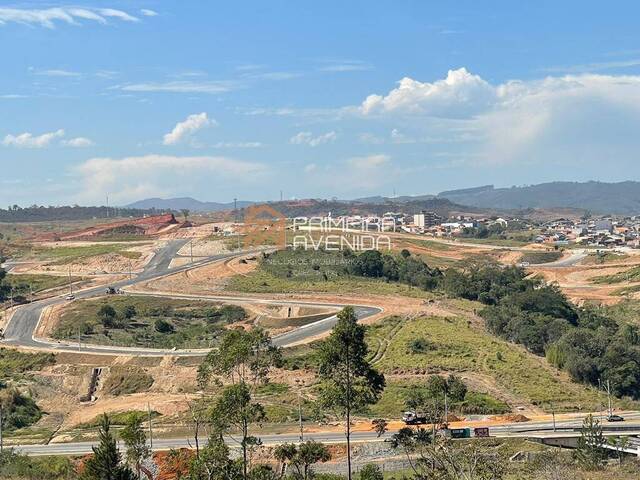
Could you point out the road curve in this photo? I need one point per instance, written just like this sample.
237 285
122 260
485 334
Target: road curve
20 330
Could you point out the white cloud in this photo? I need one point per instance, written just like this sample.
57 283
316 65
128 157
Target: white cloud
56 73
307 138
188 127
181 86
369 161
48 17
460 94
132 178
148 13
566 120
237 145
28 140
119 14
78 142
346 66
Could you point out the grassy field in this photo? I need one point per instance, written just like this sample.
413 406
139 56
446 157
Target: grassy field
315 271
14 363
22 283
599 258
541 257
457 346
263 282
157 322
630 275
65 255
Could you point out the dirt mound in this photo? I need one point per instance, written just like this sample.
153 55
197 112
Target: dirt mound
510 417
140 226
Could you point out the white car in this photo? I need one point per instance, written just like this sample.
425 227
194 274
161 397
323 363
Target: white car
71 296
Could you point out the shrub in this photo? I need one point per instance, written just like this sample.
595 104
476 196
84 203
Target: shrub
162 326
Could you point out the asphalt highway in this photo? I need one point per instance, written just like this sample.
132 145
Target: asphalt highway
21 328
544 429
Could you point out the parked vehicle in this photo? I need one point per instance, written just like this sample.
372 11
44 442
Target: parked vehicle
413 418
615 418
71 296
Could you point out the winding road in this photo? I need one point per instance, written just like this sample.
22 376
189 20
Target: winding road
22 326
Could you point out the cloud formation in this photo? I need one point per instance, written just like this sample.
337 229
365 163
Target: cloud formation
180 86
28 140
48 17
369 161
131 178
188 127
78 142
307 138
568 119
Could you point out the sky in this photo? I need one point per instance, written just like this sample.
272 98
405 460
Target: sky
247 99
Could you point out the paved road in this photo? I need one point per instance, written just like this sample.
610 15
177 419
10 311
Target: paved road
564 428
573 258
21 328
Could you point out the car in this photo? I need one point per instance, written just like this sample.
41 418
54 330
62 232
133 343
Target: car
71 296
615 418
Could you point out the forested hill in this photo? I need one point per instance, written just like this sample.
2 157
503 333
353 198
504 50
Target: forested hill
36 213
598 197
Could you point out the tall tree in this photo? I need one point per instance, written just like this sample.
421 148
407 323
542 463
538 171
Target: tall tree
590 452
349 382
135 440
105 464
214 463
245 358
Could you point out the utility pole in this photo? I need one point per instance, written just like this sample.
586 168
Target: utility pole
609 398
70 284
129 269
553 415
235 213
191 246
150 429
446 409
1 423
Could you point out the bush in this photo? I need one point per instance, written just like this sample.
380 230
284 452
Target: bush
420 345
371 471
162 326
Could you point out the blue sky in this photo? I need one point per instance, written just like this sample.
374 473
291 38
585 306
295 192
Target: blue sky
218 100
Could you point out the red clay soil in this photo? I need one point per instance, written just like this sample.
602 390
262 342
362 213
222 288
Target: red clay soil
139 226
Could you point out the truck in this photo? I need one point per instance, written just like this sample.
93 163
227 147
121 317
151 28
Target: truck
414 418
113 291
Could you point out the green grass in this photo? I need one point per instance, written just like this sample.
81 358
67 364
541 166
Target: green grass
195 323
13 363
599 258
263 282
392 401
461 347
119 418
541 257
127 380
65 255
630 275
431 244
626 311
21 283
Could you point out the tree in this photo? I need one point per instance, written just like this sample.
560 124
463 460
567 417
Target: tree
309 453
380 426
348 381
242 357
438 457
162 326
301 457
106 463
136 441
590 452
107 316
371 471
245 358
234 408
129 312
214 463
185 213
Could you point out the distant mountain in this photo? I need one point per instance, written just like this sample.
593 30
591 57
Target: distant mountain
400 199
186 203
597 197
